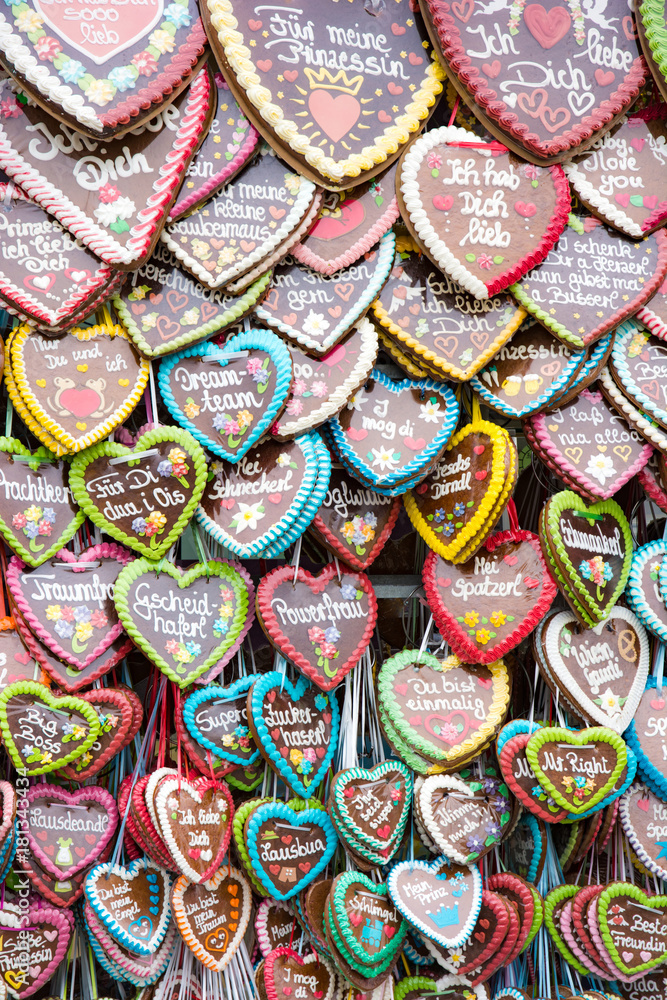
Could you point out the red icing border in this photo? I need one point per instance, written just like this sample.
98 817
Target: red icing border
450 629
344 553
652 489
307 256
129 726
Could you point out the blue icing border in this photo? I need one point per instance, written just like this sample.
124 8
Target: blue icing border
262 340
308 445
652 776
598 351
402 478
260 688
635 593
386 249
425 866
312 505
622 335
540 846
115 930
280 810
215 692
515 728
539 402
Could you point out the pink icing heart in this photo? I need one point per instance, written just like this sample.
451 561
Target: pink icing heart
637 143
623 199
443 202
401 689
643 804
650 201
415 720
414 444
357 434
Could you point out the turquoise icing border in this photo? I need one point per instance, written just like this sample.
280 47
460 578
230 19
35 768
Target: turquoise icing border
538 840
404 477
219 693
622 335
255 549
262 685
386 250
651 775
262 340
599 349
515 728
635 594
283 811
312 505
115 930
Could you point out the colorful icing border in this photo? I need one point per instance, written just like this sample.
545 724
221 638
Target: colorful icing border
164 788
652 15
268 972
220 16
253 549
583 379
551 901
287 427
282 810
623 336
363 840
438 250
110 449
119 962
635 594
413 919
214 692
78 316
386 250
262 686
105 550
641 423
38 914
149 220
541 402
216 880
43 420
129 873
237 309
130 708
316 584
42 693
215 567
417 466
600 734
262 918
626 822
648 318
605 900
321 532
249 340
342 923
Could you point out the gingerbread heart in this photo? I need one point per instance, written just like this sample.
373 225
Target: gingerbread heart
212 603
196 824
289 849
120 712
519 776
132 902
465 817
274 924
37 513
50 933
355 903
453 903
228 403
217 719
226 899
449 221
371 806
118 209
646 736
325 653
622 905
314 310
164 310
641 814
637 364
358 125
42 732
314 973
104 382
111 485
115 959
543 121
578 769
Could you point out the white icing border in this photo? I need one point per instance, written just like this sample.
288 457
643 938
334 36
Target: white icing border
635 417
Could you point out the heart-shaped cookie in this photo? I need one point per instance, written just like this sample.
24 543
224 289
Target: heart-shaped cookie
632 924
370 807
277 711
103 382
86 821
653 315
357 903
37 513
229 144
573 315
349 224
544 120
391 432
315 310
637 364
603 670
232 254
642 816
290 602
41 953
647 736
116 960
195 821
578 769
519 776
42 732
591 444
164 310
313 977
226 900
215 714
449 220
444 709
132 902
357 125
228 403
117 204
289 849
322 386
251 503
436 322
643 590
274 924
465 817
484 607
146 502
68 602
589 550
63 894
185 621
120 712
449 912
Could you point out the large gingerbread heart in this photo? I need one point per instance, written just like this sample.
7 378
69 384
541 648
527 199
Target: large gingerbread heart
289 849
632 925
337 123
102 382
547 115
185 621
226 900
322 623
146 502
132 902
448 202
40 953
117 203
578 769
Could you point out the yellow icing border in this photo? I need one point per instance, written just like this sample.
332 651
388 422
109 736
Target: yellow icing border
497 490
401 359
508 488
66 443
238 56
20 407
441 364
